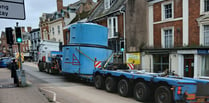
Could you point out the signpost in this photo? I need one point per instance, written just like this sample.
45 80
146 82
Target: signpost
12 9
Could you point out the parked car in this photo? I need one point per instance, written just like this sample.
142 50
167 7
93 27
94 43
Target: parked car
5 61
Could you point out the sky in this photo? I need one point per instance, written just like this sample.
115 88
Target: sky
33 10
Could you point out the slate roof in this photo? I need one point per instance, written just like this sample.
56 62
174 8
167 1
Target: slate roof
100 11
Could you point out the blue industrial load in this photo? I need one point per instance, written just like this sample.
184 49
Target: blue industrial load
88 44
88 33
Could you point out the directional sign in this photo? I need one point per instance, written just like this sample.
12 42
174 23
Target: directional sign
12 9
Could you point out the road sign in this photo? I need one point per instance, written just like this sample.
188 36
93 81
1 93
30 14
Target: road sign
97 64
12 9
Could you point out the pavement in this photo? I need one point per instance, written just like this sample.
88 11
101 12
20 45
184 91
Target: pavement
9 93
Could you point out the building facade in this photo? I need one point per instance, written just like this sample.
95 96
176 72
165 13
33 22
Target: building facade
35 41
178 37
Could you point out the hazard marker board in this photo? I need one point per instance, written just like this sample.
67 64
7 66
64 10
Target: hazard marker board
131 66
97 64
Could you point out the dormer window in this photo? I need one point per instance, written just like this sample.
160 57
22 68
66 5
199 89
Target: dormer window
108 3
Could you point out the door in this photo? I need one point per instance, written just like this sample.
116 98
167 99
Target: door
189 66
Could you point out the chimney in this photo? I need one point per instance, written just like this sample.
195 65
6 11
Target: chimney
29 29
59 5
23 29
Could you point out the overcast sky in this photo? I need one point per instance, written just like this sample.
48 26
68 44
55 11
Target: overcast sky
33 9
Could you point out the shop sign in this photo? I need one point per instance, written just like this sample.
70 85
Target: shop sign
133 58
203 51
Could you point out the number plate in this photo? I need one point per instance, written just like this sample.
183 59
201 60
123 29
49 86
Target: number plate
190 96
201 100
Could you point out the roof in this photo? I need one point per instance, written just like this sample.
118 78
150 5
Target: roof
80 17
100 11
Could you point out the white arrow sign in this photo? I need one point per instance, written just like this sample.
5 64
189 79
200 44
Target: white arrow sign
12 9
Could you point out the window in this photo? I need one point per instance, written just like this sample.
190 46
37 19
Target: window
160 62
206 35
53 30
108 3
205 66
113 27
58 28
206 5
167 10
167 38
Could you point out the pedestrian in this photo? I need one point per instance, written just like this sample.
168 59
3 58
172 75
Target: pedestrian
14 67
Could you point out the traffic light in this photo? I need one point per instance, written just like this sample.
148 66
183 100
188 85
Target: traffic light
9 35
122 46
18 34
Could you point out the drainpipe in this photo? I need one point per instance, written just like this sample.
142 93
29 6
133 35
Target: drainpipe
124 35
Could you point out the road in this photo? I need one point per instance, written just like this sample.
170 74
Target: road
71 92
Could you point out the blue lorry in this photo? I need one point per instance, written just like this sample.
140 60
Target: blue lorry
88 47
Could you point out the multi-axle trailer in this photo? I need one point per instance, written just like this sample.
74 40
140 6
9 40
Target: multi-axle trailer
88 47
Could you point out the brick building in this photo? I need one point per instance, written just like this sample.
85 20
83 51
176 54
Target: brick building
4 47
178 37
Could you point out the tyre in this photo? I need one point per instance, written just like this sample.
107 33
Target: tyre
163 95
40 66
110 84
124 88
99 82
141 92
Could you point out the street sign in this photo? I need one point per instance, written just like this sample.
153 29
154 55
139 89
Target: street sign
12 9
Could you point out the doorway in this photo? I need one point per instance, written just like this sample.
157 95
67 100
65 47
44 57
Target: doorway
189 66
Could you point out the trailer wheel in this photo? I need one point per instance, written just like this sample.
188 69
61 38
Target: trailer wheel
99 82
40 66
110 84
163 95
141 91
124 88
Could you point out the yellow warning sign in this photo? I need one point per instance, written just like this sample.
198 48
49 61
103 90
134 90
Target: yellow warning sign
133 58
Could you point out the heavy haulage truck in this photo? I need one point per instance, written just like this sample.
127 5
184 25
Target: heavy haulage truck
50 57
87 56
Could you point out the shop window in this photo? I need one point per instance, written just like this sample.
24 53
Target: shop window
160 63
205 66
